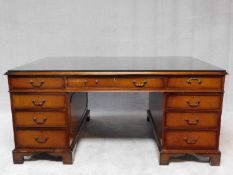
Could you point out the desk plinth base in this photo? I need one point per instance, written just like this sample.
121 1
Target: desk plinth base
67 155
167 155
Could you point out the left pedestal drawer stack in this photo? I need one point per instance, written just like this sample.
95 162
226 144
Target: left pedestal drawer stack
40 117
35 120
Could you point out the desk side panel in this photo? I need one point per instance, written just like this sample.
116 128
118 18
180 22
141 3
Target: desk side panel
156 112
78 108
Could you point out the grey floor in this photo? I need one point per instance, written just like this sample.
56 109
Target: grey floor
113 142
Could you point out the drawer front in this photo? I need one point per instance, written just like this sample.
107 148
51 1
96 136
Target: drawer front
115 82
194 101
38 101
83 82
140 82
191 139
40 139
39 119
195 82
37 83
192 120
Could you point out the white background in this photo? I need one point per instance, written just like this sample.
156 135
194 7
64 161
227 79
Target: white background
31 29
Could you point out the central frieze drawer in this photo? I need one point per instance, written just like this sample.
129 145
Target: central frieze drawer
115 82
195 82
37 83
191 139
194 101
39 119
208 120
40 138
34 101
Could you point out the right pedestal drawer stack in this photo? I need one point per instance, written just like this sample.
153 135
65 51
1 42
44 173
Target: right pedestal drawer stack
191 121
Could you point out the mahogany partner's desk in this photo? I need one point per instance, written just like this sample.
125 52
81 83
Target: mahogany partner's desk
185 102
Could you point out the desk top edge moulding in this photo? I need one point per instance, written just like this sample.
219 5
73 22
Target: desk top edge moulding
117 64
49 100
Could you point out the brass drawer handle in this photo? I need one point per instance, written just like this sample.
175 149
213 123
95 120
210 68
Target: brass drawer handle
41 141
192 122
195 104
40 121
189 81
40 84
85 82
190 140
139 84
38 103
96 81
